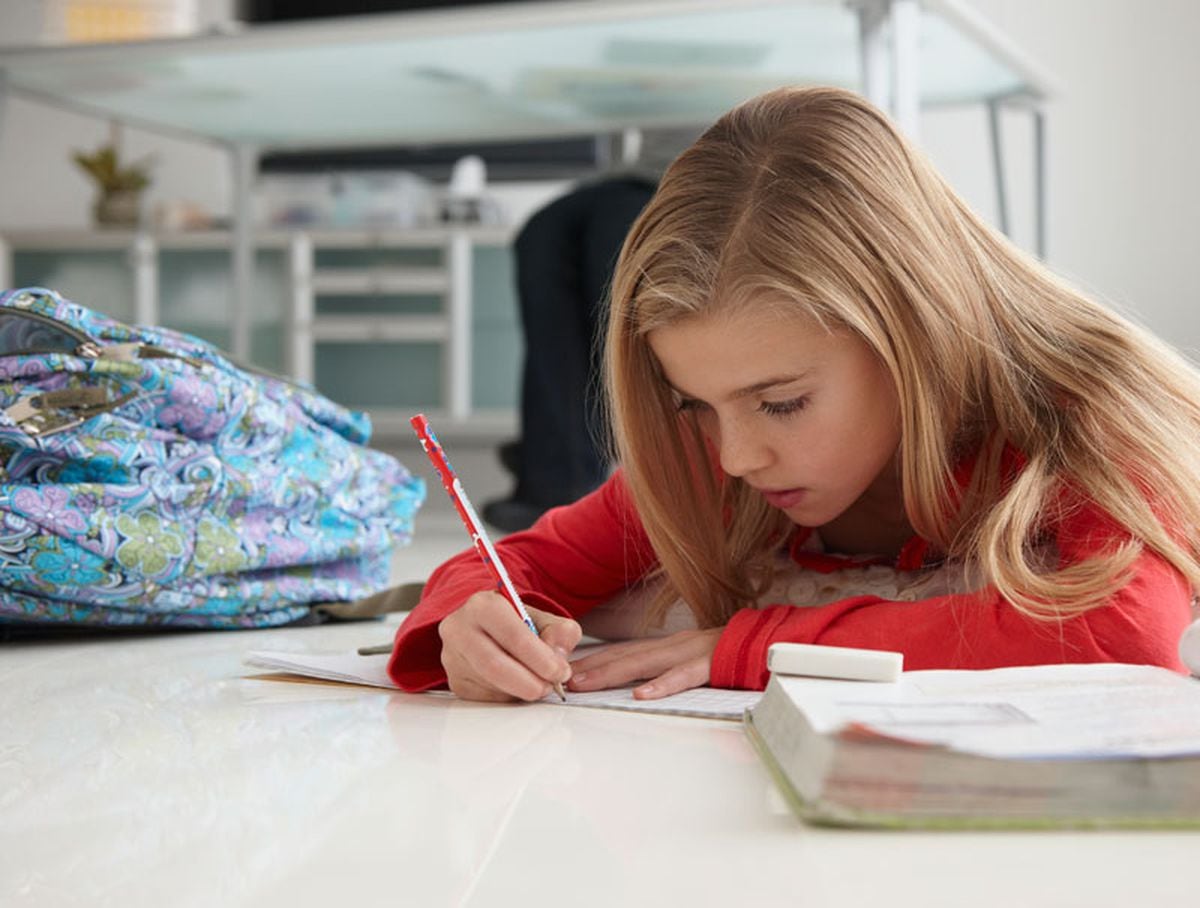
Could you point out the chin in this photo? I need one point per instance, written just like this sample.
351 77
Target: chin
804 517
810 517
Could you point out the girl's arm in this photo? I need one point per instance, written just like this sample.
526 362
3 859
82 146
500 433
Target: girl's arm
579 556
1141 624
571 560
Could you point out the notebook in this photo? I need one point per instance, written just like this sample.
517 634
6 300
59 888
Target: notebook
1103 745
371 670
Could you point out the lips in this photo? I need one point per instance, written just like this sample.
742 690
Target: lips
784 498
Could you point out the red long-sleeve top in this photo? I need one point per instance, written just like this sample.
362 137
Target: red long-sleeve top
580 556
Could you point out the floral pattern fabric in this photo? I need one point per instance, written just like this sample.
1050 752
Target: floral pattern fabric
210 496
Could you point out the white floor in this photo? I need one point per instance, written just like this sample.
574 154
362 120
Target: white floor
159 769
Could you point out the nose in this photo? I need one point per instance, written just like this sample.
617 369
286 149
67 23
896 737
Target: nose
742 451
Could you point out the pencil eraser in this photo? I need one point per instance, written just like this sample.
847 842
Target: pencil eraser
840 662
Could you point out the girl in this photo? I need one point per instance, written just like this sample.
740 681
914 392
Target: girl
848 413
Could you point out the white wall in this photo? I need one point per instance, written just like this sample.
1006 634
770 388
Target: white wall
1124 147
40 186
1124 151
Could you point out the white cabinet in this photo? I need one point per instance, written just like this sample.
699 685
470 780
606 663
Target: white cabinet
450 280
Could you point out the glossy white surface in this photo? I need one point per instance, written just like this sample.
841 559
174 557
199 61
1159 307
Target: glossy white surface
157 771
153 770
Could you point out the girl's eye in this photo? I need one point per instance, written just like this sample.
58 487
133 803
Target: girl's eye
783 407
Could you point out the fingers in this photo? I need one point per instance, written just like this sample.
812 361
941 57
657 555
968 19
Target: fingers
489 653
675 680
560 634
677 662
618 666
489 673
544 653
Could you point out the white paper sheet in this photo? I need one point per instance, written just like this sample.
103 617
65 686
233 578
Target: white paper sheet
351 668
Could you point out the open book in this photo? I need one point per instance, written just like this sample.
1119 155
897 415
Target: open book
1058 745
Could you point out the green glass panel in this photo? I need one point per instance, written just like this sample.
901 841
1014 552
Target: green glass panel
380 375
100 280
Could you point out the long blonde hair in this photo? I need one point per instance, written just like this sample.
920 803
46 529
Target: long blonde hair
812 196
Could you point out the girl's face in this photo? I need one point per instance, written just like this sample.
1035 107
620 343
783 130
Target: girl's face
807 417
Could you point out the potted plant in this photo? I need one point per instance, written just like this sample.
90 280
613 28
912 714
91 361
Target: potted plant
119 185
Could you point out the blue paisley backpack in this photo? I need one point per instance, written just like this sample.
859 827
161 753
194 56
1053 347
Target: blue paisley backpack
145 480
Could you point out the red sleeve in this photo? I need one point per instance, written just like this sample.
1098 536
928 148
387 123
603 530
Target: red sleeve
572 559
1141 624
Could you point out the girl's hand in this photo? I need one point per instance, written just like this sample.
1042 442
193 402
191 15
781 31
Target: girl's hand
673 664
489 653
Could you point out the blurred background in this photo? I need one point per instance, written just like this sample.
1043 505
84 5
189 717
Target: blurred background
1114 80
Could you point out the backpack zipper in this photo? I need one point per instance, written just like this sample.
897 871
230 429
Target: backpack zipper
49 412
86 345
90 348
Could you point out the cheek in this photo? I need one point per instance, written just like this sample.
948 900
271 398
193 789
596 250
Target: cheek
820 449
845 441
880 436
887 417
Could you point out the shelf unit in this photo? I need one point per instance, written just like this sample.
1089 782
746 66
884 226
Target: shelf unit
450 281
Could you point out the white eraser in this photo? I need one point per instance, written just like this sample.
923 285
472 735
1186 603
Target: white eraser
841 662
1189 647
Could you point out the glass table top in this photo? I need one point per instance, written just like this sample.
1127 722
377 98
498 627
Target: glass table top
503 72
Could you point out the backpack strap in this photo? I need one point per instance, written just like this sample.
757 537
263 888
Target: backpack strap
400 598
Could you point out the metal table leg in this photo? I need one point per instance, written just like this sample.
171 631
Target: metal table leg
245 166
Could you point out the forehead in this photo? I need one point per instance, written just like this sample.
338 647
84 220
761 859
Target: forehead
746 329
732 349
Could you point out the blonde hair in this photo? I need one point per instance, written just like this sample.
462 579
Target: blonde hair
812 197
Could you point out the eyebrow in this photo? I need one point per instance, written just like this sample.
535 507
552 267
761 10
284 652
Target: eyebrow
756 388
768 383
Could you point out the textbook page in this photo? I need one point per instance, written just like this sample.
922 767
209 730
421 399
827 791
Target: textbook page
1045 711
351 668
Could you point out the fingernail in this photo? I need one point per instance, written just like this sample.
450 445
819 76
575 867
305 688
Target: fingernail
646 690
580 678
562 652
